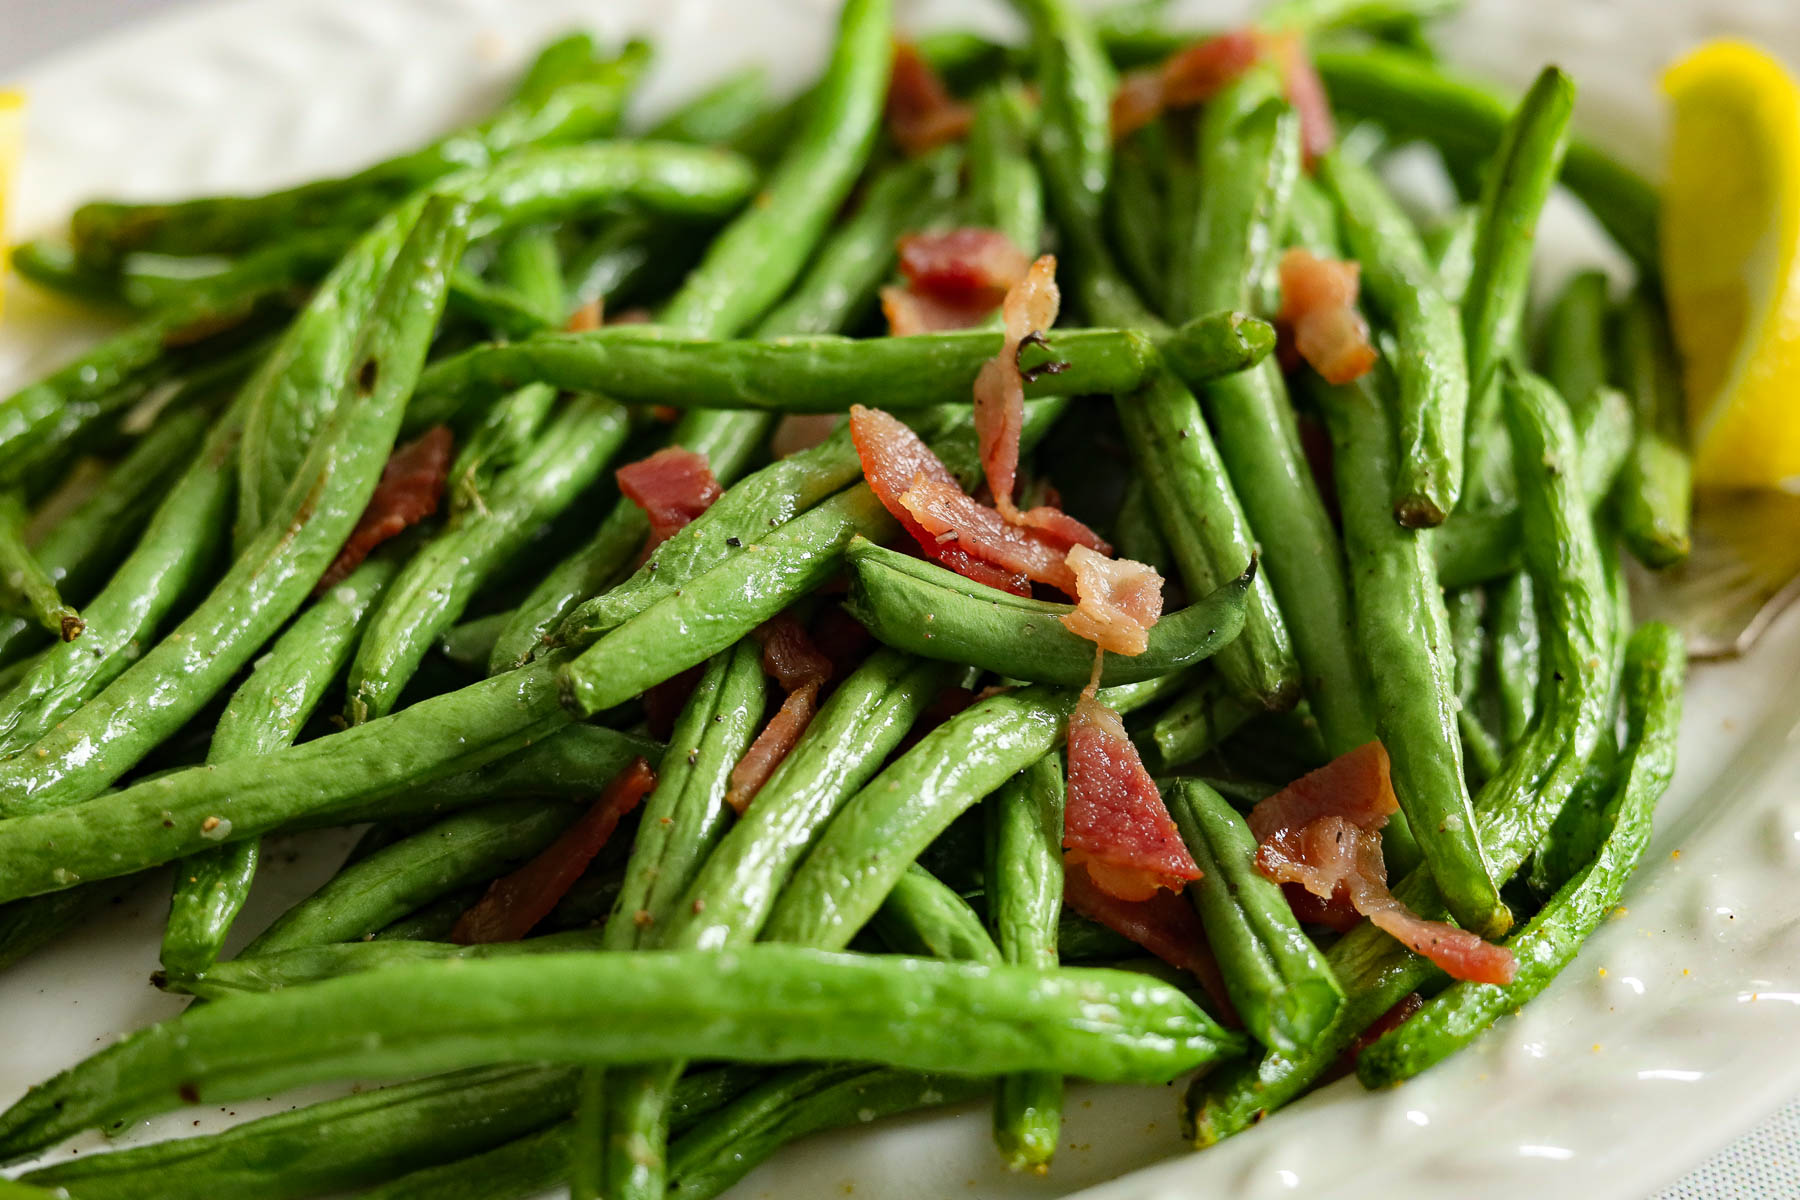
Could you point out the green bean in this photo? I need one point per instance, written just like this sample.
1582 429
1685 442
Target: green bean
1025 887
1135 534
1276 977
158 694
756 1003
727 1146
358 1140
1248 167
27 925
1415 97
295 391
290 966
1003 182
468 847
1451 247
895 816
1514 808
504 435
924 916
503 311
922 608
578 107
435 587
52 266
1654 494
1136 213
82 547
469 643
755 259
1217 346
1178 233
1518 654
1432 374
1549 942
1208 713
1469 641
406 763
13 1190
857 256
718 115
432 922
178 551
1477 546
821 373
263 715
517 634
1525 167
1575 353
684 818
1403 631
26 588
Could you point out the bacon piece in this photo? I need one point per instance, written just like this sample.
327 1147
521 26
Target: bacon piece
514 903
1199 72
672 486
1322 832
411 484
909 312
802 671
921 113
893 456
1115 822
1030 308
1318 302
588 317
1165 924
1118 600
972 262
950 515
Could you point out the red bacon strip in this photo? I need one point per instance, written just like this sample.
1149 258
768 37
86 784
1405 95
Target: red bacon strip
1165 924
515 903
1029 308
408 492
954 280
1318 303
921 113
1199 72
1117 601
910 312
672 486
802 671
893 456
949 515
1322 832
1115 823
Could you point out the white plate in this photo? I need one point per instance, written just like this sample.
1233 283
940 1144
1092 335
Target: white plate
1675 1029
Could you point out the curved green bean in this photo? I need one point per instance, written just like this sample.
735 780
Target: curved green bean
922 608
26 588
756 1003
1654 667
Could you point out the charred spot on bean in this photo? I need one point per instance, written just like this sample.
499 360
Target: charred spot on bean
1055 366
734 542
366 376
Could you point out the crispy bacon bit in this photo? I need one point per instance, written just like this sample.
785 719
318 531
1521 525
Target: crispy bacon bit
1197 73
515 903
921 113
1116 823
1165 924
909 312
893 456
1322 832
1318 302
411 484
1029 309
672 486
1118 600
588 317
801 670
950 515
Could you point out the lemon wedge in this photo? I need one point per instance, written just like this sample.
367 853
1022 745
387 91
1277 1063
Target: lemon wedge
1731 260
12 144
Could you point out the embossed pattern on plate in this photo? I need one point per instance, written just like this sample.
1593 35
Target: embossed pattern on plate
1675 1028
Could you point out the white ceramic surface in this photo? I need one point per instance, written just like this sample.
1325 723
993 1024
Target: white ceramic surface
1679 1025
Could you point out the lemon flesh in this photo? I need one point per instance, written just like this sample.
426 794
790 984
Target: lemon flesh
1731 260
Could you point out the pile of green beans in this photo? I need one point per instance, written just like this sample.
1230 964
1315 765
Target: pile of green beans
1429 555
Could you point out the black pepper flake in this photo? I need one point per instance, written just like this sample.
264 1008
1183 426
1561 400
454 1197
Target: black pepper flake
733 542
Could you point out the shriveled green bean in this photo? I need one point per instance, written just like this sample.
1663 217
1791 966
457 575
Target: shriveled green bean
1653 498
26 588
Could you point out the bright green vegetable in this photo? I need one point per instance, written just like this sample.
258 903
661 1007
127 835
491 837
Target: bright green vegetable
1450 1020
1653 498
761 1003
26 588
